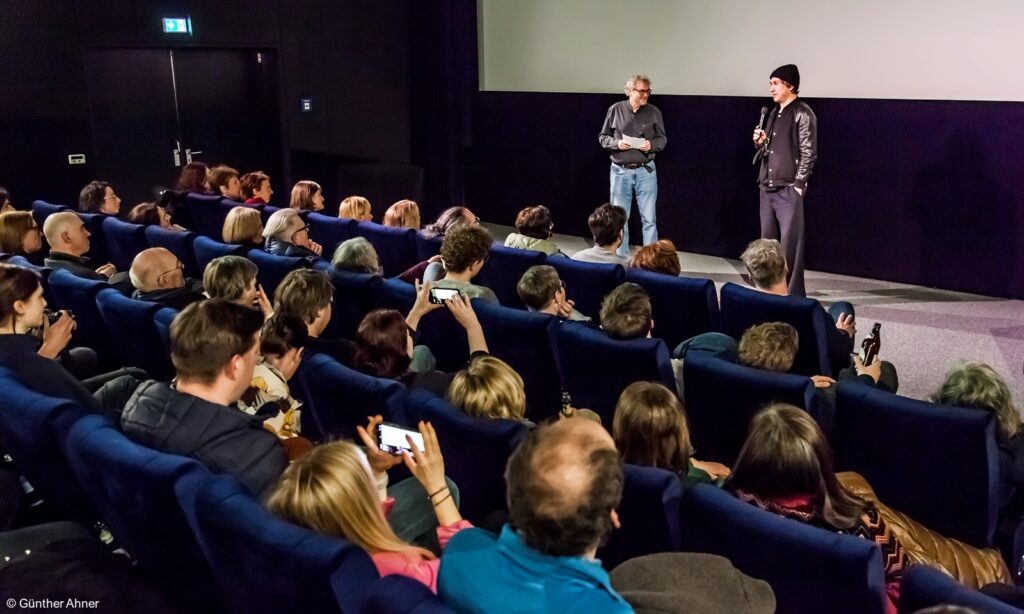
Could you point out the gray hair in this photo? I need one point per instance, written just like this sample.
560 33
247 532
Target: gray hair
631 81
282 224
357 256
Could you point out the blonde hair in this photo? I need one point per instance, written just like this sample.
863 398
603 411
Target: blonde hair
977 385
489 388
329 491
403 214
302 195
771 346
354 207
650 429
241 225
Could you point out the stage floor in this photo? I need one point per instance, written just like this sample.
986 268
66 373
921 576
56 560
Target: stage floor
925 331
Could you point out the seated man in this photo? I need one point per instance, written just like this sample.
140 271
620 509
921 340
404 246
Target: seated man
159 277
542 290
766 264
214 348
606 225
69 243
464 251
309 295
224 181
564 484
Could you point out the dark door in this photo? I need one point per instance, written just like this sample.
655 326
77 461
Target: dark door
153 109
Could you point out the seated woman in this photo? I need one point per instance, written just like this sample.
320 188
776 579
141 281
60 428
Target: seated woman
195 178
99 197
243 226
489 388
355 208
387 347
658 257
20 236
306 196
338 489
533 231
5 201
287 235
233 278
650 430
357 255
403 214
464 251
449 218
256 188
151 214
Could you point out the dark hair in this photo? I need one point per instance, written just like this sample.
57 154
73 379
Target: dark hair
626 312
549 519
650 428
16 284
193 178
538 286
220 176
90 199
464 245
228 277
147 214
534 222
658 257
208 334
303 292
283 332
13 227
5 196
250 182
771 346
383 346
605 223
449 218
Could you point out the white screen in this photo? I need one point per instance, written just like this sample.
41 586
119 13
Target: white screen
394 437
909 49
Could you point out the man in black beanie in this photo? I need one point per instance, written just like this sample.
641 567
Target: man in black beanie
786 148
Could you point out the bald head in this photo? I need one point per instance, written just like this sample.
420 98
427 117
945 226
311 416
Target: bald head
564 483
66 233
155 269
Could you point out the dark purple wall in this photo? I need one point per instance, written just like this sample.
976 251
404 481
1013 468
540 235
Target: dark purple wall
912 191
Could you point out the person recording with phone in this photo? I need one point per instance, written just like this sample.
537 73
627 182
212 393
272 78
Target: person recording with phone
464 251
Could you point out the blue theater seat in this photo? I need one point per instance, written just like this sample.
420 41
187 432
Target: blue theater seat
126 316
649 514
274 268
396 247
124 241
178 243
205 213
503 269
394 593
226 205
682 307
43 271
163 320
587 283
354 295
266 212
425 248
923 587
207 249
79 295
329 231
42 210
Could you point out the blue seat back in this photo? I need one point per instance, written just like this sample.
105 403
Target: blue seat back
809 569
649 514
476 451
29 424
225 206
596 369
124 241
98 241
265 564
206 249
329 231
722 397
267 211
425 248
394 593
42 210
79 295
523 340
682 307
745 307
205 212
163 320
134 488
274 268
396 247
339 398
503 269
43 271
122 315
178 243
910 451
587 283
923 587
354 296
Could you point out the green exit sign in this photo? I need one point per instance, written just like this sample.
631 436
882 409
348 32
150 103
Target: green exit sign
178 25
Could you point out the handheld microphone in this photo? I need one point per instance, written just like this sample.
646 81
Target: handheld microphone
760 122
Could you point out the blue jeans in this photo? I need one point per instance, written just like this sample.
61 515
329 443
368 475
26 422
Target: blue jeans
625 182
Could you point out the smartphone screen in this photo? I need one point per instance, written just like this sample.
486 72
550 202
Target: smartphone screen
440 295
392 438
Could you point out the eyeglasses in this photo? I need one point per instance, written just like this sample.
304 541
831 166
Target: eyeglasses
301 230
646 92
179 267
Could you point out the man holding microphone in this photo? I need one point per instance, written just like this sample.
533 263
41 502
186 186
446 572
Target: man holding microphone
634 132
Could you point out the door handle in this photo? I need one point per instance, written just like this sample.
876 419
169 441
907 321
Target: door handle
190 152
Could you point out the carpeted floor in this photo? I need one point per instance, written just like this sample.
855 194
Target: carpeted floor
925 331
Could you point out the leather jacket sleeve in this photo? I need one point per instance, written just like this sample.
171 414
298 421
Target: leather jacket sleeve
807 130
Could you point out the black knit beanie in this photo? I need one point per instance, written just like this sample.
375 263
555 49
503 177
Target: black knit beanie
788 73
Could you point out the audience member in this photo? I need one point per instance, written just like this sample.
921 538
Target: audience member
464 251
564 484
99 197
287 234
195 178
268 396
233 278
341 490
403 214
489 388
357 255
307 196
432 268
650 430
21 236
355 208
533 231
224 181
255 188
542 290
151 214
626 314
658 257
214 348
309 294
606 224
159 277
243 226
5 201
69 242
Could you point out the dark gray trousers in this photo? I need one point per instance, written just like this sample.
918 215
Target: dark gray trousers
782 211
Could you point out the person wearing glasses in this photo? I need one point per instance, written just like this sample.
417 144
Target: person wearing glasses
159 277
286 234
634 133
21 236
